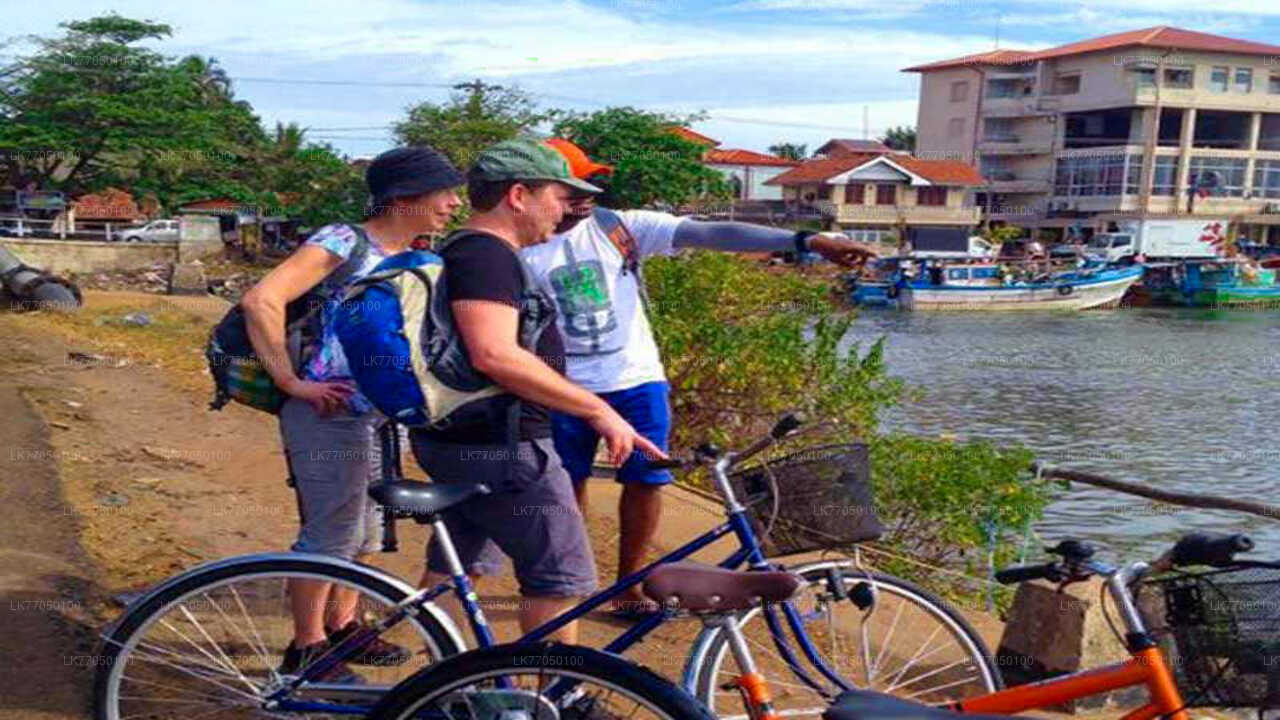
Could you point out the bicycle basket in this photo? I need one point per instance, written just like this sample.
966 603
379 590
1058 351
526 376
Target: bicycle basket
1221 631
824 499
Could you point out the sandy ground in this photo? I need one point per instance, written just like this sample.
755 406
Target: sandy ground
117 476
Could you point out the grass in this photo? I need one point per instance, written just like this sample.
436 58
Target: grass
174 339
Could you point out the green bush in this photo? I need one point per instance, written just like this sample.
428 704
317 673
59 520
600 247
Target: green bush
743 342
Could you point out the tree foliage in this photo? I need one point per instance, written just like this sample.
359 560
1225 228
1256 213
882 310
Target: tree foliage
900 138
469 122
91 109
651 164
790 151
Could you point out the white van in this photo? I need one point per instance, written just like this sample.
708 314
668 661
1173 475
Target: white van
1161 238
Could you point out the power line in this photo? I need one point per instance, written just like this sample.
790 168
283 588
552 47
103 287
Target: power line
853 132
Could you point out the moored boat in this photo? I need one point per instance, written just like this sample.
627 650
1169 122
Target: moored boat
983 287
1220 282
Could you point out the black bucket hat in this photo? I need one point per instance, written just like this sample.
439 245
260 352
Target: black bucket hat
410 171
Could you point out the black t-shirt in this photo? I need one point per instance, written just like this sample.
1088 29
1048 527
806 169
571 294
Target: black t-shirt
483 267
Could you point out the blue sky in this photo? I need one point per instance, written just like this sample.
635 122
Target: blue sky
765 70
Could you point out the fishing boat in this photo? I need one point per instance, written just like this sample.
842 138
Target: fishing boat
1216 282
988 286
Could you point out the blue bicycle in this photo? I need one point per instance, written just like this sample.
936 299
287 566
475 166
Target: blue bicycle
210 641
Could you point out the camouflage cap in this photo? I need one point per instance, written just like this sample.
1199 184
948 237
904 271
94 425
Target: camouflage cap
524 159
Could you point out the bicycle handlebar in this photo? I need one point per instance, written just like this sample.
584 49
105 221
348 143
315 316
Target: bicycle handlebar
1023 573
1212 549
786 425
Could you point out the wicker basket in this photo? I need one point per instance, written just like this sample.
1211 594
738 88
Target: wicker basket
824 499
1221 632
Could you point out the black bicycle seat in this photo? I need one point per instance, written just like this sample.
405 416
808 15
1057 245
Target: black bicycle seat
870 705
412 498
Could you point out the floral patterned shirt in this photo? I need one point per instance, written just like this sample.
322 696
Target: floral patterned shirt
326 361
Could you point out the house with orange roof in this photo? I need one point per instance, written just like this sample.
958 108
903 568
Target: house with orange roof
1132 123
746 171
877 196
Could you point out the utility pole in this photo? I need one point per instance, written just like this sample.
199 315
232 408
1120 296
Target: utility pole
477 88
866 122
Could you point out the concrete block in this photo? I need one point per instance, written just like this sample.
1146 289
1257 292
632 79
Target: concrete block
1051 633
188 279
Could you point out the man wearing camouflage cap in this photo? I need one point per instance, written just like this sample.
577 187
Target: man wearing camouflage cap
519 192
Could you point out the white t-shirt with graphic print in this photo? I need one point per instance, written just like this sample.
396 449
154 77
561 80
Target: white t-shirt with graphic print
608 342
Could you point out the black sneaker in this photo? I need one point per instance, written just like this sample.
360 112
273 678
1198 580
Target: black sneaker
376 652
295 659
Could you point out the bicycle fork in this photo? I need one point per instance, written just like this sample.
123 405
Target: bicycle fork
755 692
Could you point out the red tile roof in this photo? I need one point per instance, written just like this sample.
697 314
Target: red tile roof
693 136
993 57
845 146
940 172
110 204
1161 36
745 157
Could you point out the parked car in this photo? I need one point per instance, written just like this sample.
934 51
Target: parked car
154 231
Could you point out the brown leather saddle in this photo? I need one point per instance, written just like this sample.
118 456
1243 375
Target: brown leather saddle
703 588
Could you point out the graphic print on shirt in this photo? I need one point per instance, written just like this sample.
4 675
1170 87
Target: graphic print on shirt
582 296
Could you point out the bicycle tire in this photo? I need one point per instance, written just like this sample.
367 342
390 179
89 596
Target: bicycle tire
120 639
473 667
703 666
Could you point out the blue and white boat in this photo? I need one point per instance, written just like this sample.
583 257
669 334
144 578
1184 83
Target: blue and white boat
987 286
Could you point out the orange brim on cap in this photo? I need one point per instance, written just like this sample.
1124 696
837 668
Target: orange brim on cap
580 165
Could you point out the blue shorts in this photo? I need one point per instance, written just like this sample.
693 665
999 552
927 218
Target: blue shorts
648 409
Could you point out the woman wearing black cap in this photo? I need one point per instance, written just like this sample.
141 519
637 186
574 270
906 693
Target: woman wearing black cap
327 425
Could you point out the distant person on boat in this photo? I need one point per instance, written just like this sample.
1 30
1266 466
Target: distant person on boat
592 270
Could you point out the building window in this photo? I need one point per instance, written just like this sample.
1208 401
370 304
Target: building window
1230 173
1218 79
1166 175
1179 78
1273 84
824 192
1244 80
955 127
960 91
1144 77
1098 175
869 236
886 194
855 194
999 130
1066 84
935 196
1266 179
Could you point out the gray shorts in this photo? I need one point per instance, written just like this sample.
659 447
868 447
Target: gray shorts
334 460
532 516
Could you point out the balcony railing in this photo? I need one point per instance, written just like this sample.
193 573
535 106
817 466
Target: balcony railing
909 214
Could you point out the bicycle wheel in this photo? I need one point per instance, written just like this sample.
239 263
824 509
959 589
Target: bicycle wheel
904 642
538 681
208 643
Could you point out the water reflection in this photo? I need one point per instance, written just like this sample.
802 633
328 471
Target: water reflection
1180 399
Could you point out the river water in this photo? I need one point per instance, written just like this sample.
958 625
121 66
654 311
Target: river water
1175 398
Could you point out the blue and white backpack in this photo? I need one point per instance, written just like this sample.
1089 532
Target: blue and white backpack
402 347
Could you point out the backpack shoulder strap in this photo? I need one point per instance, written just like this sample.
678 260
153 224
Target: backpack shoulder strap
359 252
619 235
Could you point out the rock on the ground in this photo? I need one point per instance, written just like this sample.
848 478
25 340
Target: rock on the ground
1051 632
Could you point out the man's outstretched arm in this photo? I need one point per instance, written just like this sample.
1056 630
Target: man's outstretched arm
746 237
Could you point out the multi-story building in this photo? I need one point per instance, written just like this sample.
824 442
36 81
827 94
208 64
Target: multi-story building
1155 121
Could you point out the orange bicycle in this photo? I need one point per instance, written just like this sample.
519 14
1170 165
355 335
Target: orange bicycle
1215 635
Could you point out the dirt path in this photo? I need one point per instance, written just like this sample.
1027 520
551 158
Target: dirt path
117 477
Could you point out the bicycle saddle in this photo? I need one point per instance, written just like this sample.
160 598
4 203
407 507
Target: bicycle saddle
702 588
416 499
871 705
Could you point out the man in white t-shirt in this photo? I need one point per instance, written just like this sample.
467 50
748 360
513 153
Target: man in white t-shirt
591 270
